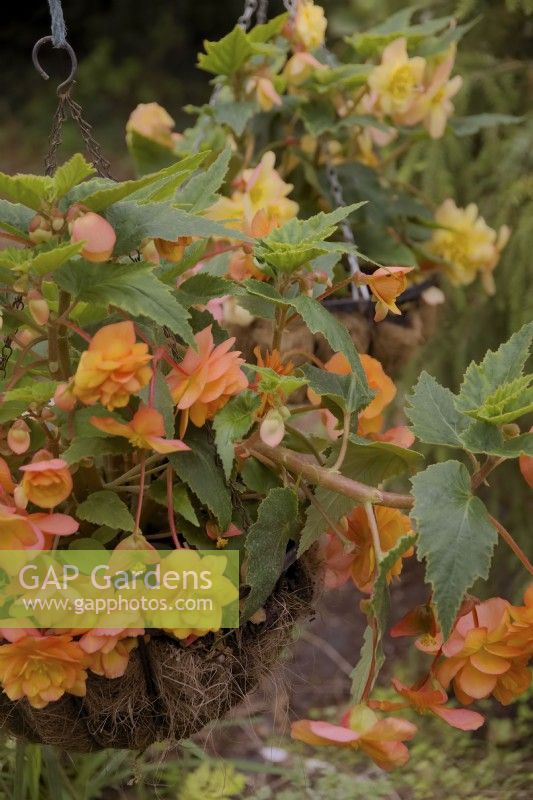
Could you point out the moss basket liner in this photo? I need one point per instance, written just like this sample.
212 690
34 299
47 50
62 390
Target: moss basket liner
394 342
168 692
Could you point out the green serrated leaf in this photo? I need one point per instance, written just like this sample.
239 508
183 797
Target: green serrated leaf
433 415
341 389
92 447
455 536
266 545
30 190
203 287
508 402
70 174
14 217
235 114
106 508
180 498
50 260
131 287
232 423
271 382
484 437
134 222
497 369
257 477
200 191
228 55
468 126
198 468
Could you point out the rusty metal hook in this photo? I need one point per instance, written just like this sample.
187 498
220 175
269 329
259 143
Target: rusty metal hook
65 86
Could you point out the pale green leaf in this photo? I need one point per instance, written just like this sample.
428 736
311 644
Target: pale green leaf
14 217
235 114
92 447
340 389
106 508
433 415
484 437
30 190
180 500
455 536
228 55
49 260
468 126
200 190
508 402
70 174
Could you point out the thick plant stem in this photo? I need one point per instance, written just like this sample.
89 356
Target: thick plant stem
374 530
517 550
323 476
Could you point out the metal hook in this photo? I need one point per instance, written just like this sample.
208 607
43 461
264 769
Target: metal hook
65 86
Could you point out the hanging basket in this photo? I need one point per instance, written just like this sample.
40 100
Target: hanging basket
394 342
169 692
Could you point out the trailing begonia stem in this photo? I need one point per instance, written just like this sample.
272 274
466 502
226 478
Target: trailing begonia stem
323 476
479 477
142 479
170 508
344 443
517 550
374 530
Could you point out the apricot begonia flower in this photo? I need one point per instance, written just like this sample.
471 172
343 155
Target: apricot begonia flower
153 122
7 485
310 23
361 729
18 437
370 418
397 81
16 532
478 656
206 379
109 649
259 188
468 245
386 284
420 622
520 633
428 700
42 669
264 91
113 368
525 463
47 481
360 564
300 67
146 430
97 234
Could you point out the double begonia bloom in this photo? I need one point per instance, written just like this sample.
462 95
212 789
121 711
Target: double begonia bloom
259 188
520 632
206 379
396 83
47 481
309 26
427 700
371 417
113 367
109 649
42 669
467 244
242 264
361 729
340 563
386 285
153 122
479 660
146 431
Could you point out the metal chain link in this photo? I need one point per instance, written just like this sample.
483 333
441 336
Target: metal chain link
358 292
262 12
250 7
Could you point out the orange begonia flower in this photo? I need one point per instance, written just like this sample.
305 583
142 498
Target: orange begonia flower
206 379
386 284
370 418
47 481
361 729
526 467
272 360
42 669
392 525
146 430
114 367
22 531
420 622
109 649
520 633
427 700
7 485
479 659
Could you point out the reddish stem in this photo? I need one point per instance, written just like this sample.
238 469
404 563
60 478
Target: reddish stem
517 550
84 335
170 509
142 479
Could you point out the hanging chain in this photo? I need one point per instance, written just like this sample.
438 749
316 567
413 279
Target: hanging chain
7 346
358 292
245 20
67 105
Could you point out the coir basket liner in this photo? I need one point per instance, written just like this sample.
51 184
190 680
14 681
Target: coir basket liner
169 692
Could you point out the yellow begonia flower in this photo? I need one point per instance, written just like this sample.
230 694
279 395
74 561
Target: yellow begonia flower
397 81
467 244
259 188
310 25
434 105
153 122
